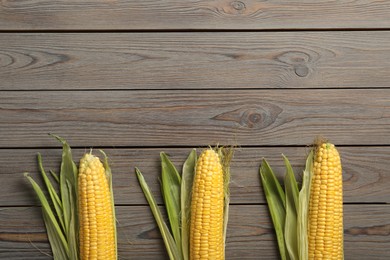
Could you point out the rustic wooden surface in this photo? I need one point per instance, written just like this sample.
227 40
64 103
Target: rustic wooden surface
366 176
139 77
201 60
192 14
196 117
250 233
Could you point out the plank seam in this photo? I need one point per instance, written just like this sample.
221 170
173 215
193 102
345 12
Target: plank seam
191 30
189 89
180 146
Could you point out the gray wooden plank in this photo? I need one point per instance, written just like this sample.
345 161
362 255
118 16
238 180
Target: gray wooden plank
70 61
365 171
250 233
193 14
193 118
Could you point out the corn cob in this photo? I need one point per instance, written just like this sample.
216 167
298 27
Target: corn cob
97 226
325 231
207 209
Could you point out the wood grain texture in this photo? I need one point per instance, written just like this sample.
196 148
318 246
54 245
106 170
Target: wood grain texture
250 233
193 118
193 14
74 61
365 170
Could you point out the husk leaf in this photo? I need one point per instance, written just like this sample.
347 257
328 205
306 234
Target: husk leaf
292 193
226 155
58 248
73 230
276 200
168 239
187 179
68 190
55 199
171 186
304 196
57 239
55 176
68 173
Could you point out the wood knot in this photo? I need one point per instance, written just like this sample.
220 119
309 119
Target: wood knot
253 118
301 70
299 61
238 6
256 117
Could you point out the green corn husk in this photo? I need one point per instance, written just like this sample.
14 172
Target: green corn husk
68 190
176 191
169 242
171 186
292 193
55 199
276 200
289 209
55 176
59 210
226 155
303 209
55 233
186 187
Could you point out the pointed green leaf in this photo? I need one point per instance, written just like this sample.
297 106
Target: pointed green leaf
171 185
276 200
273 181
292 193
73 227
56 244
186 187
290 176
55 176
52 192
53 227
68 173
62 222
169 242
303 208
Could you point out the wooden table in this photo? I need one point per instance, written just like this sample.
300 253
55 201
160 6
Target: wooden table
139 77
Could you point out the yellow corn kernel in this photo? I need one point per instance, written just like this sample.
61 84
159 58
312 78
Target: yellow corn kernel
207 209
325 232
97 230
